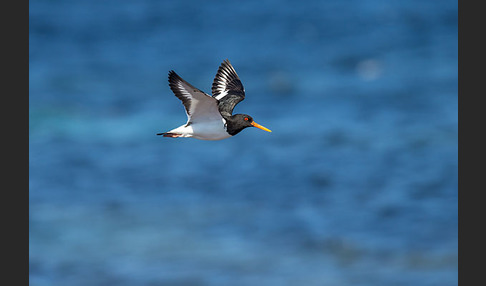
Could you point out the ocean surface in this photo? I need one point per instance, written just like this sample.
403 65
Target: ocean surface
356 185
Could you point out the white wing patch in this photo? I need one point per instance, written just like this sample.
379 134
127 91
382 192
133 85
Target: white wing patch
221 95
221 80
226 81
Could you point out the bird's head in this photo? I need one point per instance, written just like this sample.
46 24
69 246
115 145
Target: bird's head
247 121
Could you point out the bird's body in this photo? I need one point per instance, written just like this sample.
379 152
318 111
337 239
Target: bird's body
210 117
212 130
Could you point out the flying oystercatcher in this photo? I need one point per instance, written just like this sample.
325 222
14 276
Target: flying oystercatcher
210 117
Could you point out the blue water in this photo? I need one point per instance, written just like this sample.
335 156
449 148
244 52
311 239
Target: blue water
356 185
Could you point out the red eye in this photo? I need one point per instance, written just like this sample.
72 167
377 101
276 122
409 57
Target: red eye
246 118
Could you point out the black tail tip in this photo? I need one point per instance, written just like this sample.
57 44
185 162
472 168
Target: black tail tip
168 134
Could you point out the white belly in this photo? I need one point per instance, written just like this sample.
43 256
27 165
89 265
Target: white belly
213 130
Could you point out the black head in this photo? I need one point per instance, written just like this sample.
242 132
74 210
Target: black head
239 122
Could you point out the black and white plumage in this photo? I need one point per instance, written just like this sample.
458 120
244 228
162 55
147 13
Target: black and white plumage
211 117
227 88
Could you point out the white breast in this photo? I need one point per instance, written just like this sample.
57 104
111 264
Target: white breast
213 130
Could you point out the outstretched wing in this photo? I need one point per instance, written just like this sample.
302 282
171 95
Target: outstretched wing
199 105
227 88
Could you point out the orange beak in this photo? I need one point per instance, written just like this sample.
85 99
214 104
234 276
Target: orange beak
254 124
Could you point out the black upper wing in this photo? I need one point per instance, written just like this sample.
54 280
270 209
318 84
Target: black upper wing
227 88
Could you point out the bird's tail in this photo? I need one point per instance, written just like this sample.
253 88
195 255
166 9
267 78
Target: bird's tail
169 134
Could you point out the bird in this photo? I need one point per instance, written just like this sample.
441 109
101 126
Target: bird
211 117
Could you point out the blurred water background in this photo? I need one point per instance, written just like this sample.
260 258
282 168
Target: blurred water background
356 185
